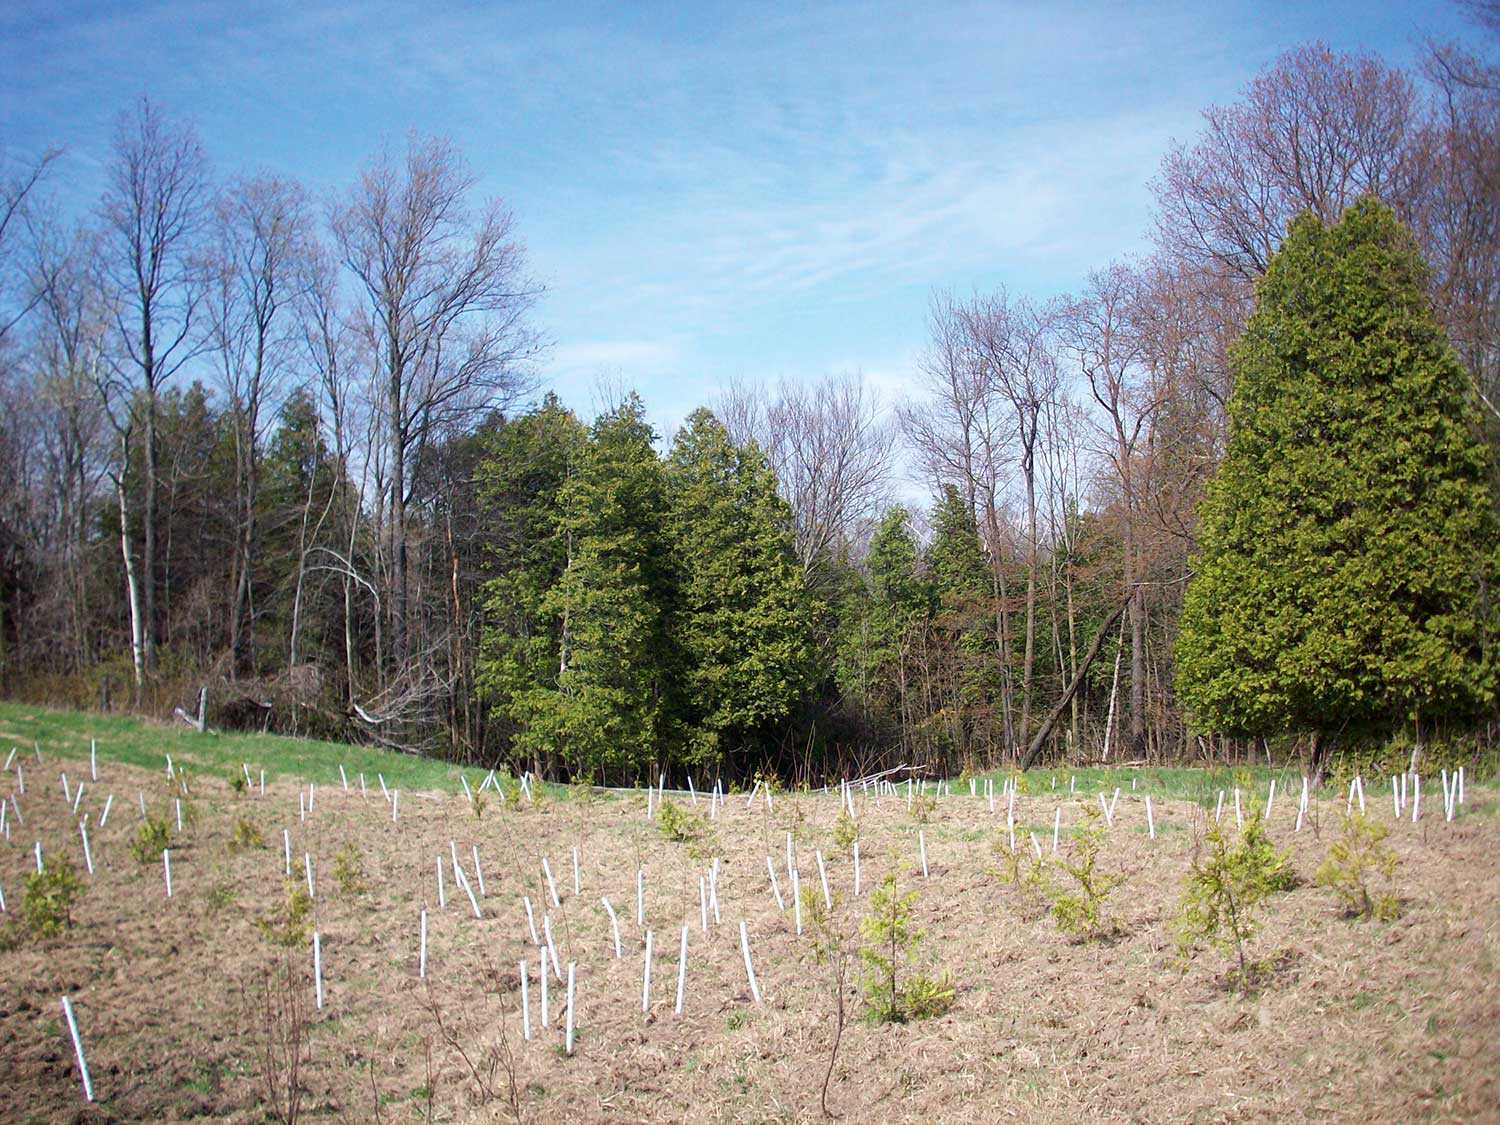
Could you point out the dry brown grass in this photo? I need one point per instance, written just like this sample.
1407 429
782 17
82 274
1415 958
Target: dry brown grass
1360 1021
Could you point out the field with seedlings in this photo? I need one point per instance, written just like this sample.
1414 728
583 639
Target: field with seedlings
329 950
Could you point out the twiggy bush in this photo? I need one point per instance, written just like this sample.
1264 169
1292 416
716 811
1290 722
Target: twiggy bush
1226 886
895 991
1356 860
1078 907
845 833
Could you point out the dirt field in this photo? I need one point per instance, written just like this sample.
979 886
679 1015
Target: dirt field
1371 1021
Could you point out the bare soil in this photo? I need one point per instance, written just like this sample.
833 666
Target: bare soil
1354 1020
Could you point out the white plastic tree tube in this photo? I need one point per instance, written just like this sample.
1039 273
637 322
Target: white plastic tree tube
525 1001
682 971
83 1066
318 967
614 926
775 887
568 1033
646 973
749 968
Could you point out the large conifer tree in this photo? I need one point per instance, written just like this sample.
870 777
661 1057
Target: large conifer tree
1348 540
742 619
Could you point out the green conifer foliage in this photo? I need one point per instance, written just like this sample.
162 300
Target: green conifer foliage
1348 541
741 617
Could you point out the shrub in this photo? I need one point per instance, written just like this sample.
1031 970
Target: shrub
152 837
246 836
221 896
349 870
477 804
894 990
1355 860
922 807
290 925
237 783
48 898
1081 912
1225 889
845 833
679 825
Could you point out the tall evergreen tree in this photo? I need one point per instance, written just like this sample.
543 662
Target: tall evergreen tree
1348 542
521 481
741 616
606 712
959 575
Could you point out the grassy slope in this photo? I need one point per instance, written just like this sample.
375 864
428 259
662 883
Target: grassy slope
139 742
145 743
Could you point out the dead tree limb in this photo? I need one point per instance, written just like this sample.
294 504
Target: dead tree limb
1034 750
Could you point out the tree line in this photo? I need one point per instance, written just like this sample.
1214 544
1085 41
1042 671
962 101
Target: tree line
289 448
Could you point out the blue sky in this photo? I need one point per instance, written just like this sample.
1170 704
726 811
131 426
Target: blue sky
710 192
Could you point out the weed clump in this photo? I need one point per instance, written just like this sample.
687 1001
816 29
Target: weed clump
1355 861
894 989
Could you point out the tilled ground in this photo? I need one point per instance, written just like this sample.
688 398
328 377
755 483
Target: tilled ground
1373 1021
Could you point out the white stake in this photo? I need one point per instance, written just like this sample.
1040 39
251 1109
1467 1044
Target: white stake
39 855
1219 808
551 946
179 816
262 783
568 1034
536 938
93 760
577 884
749 968
463 882
1271 797
318 967
88 856
1239 821
823 875
646 974
543 978
614 926
1036 846
1056 826
307 868
166 863
681 971
286 847
922 845
797 901
775 889
396 807
344 777
442 892
83 1066
551 885
1151 820
1416 797
479 873
1359 787
525 1001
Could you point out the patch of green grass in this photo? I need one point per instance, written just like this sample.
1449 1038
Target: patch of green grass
140 742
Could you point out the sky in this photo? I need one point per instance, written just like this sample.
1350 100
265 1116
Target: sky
709 192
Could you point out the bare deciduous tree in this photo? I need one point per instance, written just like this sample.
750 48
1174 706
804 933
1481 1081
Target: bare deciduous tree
445 295
153 214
